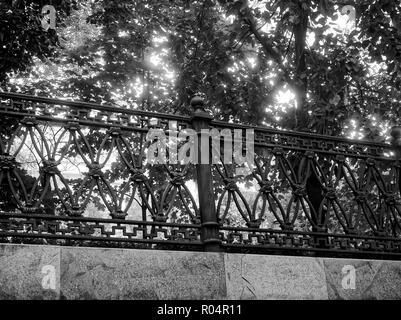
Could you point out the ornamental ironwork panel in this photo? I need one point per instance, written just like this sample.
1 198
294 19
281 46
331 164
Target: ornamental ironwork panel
310 193
81 160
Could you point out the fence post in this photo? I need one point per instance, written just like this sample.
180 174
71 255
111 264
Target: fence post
210 226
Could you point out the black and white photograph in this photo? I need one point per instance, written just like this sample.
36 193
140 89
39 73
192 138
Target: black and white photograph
202 156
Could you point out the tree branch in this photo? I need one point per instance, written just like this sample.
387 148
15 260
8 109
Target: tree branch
268 48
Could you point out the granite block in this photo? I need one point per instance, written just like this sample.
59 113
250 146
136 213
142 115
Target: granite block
49 272
374 279
274 277
29 272
94 273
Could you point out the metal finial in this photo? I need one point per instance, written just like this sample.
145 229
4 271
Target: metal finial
198 104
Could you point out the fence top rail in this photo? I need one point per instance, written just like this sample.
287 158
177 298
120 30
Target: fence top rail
214 123
93 106
300 134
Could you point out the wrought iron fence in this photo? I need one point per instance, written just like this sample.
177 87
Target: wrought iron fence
74 173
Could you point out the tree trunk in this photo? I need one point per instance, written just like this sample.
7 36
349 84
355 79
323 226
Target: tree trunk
301 83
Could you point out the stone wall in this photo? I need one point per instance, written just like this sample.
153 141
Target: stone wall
49 272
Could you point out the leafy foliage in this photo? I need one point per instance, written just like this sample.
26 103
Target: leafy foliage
244 57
